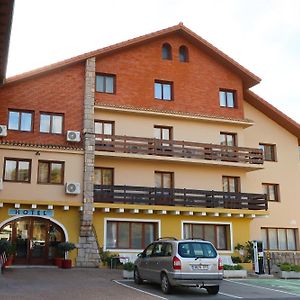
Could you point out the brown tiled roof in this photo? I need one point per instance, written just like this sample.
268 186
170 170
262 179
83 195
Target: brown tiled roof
273 113
6 14
171 112
42 146
249 78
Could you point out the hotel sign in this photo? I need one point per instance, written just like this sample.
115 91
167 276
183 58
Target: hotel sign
30 212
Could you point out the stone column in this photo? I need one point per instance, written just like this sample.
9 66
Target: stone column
88 252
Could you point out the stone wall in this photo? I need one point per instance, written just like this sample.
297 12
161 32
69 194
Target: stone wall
88 252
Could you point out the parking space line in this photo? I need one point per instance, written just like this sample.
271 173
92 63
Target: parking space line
263 287
133 288
231 296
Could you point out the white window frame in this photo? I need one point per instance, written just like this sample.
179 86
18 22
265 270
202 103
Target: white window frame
212 223
128 220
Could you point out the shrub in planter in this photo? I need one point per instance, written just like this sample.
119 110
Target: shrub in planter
109 259
65 247
288 270
233 267
9 249
236 259
128 270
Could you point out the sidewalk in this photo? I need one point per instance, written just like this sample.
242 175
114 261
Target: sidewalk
53 283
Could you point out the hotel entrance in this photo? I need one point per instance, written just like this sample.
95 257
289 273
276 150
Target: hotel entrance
35 239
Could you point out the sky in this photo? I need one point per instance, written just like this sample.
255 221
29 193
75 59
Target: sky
261 35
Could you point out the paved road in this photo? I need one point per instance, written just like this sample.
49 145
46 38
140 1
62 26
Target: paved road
90 284
230 289
60 284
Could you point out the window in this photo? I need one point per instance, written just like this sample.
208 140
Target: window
218 234
163 90
279 238
51 123
17 170
20 120
105 83
164 179
103 176
129 235
51 172
269 151
227 98
166 51
183 54
231 184
271 190
228 139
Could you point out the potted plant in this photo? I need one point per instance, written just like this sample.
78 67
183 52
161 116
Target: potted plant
234 271
289 271
9 249
128 268
65 247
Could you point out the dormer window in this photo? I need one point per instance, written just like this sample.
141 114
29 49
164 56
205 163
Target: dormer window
166 51
183 54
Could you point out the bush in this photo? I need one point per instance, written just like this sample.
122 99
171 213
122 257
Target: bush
129 266
107 256
7 247
236 259
233 267
66 246
287 267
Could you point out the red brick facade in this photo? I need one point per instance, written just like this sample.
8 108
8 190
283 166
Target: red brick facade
61 91
196 83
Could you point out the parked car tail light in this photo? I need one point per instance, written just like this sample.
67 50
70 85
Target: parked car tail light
176 263
220 264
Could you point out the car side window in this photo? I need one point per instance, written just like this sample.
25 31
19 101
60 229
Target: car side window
158 250
168 249
148 250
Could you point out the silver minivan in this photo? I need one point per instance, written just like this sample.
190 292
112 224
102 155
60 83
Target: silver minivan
172 262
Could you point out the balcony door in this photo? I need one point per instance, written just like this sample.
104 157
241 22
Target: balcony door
103 131
164 185
164 133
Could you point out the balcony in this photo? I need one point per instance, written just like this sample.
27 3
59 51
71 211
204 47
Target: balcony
210 153
178 197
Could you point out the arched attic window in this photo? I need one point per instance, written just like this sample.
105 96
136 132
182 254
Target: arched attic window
183 54
166 51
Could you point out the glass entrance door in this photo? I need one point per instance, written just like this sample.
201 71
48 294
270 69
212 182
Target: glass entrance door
35 239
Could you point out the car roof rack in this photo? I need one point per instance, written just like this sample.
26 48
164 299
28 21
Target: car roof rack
195 238
167 238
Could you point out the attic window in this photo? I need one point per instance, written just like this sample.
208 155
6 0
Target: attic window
166 52
183 54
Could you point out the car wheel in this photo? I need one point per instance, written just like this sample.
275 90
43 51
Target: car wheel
165 284
136 276
213 290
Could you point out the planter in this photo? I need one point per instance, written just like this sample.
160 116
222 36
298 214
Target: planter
235 273
58 262
66 264
9 261
289 275
127 274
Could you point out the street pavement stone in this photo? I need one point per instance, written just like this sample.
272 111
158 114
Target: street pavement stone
55 283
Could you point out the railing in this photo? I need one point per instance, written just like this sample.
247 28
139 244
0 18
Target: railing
183 149
179 197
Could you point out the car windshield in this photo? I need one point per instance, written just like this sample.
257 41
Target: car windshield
196 250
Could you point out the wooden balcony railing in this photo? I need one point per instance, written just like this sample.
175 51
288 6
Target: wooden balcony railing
183 149
179 197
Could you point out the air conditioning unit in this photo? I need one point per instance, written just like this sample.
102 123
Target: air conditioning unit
3 130
73 136
73 188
